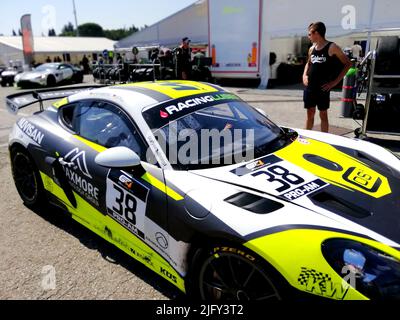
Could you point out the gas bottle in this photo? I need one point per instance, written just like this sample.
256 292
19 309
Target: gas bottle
349 92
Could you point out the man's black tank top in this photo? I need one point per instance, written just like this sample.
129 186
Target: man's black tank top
321 67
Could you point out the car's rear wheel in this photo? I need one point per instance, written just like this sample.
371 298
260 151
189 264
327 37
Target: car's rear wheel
26 178
51 81
233 273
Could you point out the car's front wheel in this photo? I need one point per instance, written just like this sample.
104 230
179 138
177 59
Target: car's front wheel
233 273
51 81
26 177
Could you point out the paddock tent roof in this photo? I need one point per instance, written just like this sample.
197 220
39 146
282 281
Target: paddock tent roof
290 18
61 44
191 22
286 18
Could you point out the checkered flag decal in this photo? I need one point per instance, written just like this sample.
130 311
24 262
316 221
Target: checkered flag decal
320 277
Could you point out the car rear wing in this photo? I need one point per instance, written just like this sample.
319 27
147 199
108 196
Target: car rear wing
17 101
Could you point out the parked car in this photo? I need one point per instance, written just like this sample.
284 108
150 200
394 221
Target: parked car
8 76
50 75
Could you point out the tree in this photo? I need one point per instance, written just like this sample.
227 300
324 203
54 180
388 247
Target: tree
68 30
52 33
14 33
90 29
118 34
20 32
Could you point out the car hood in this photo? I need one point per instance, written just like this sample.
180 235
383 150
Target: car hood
330 179
8 73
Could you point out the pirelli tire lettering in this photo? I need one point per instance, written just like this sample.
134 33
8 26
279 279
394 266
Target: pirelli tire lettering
240 252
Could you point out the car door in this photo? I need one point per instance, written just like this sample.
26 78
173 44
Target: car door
65 72
79 178
134 197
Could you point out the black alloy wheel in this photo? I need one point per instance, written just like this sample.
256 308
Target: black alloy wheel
26 178
51 81
231 276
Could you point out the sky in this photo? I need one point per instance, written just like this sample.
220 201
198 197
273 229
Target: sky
111 14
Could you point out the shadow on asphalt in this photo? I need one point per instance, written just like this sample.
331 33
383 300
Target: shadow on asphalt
108 251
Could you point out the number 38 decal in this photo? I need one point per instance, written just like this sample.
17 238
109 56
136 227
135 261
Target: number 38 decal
125 205
126 202
280 175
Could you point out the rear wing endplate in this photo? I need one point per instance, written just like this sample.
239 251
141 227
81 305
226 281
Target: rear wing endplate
17 101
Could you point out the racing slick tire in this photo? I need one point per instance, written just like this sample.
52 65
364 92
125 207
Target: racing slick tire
51 81
230 272
27 178
78 78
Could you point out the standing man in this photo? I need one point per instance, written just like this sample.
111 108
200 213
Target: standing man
184 59
320 76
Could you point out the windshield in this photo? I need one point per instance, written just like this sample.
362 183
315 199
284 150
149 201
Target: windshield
216 133
46 66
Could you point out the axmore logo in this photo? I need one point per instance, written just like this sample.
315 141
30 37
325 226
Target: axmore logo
78 158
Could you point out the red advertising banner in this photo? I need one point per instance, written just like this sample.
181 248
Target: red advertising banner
27 38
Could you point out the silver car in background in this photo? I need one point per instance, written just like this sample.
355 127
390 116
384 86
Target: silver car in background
50 74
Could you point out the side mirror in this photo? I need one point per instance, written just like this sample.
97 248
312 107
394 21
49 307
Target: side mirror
262 112
117 157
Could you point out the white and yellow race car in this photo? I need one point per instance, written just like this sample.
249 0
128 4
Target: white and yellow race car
210 194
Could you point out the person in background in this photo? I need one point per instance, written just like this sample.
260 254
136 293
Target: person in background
320 74
183 56
357 50
85 64
119 59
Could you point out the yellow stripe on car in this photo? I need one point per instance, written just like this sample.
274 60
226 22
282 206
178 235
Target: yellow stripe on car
90 144
113 232
297 255
60 103
161 186
176 89
350 174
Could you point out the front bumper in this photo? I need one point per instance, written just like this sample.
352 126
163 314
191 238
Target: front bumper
32 82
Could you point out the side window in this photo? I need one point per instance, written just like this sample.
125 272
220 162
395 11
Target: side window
106 125
67 116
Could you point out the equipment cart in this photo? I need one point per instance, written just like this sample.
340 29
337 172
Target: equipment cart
379 74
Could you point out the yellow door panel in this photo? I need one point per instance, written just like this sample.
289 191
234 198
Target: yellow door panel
112 231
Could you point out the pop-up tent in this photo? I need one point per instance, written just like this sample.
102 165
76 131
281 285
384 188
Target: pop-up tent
206 21
286 18
191 22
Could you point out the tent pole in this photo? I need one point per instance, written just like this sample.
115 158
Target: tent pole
371 17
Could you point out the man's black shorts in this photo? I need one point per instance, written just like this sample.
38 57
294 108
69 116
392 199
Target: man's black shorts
316 98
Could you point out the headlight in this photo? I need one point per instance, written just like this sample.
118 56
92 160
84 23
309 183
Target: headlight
376 274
